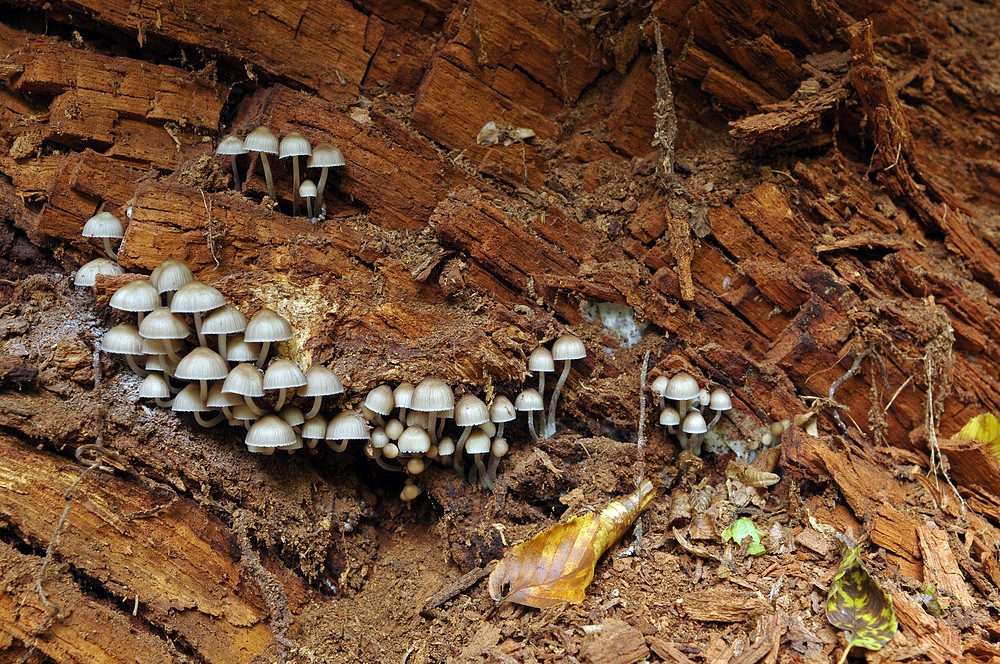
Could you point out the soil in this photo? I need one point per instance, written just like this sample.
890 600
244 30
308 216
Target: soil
331 563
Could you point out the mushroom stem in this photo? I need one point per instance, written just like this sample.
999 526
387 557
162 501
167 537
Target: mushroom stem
135 366
164 403
531 427
682 407
715 420
295 186
208 423
197 328
267 175
236 174
490 478
337 447
171 353
381 462
432 427
459 447
314 411
481 467
281 400
107 248
204 390
541 384
694 444
320 187
264 347
683 438
500 428
254 408
222 345
309 206
550 424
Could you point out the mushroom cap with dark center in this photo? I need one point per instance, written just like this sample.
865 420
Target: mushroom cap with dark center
87 274
267 326
321 382
137 296
681 387
161 323
414 440
348 425
270 431
104 225
529 400
380 400
231 145
479 442
263 140
227 319
170 275
325 155
196 297
541 360
283 374
122 339
202 364
568 347
245 380
694 423
432 395
502 410
294 144
471 411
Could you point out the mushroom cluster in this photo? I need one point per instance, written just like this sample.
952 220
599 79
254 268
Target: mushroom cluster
542 361
293 146
106 227
688 410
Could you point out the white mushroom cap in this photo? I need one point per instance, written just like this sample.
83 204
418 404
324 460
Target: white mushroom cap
159 347
240 350
293 415
307 188
669 417
489 428
154 386
325 155
659 386
499 447
87 274
189 400
446 446
196 297
413 440
694 423
502 410
432 395
161 323
231 145
681 387
243 413
529 400
155 361
261 139
270 431
478 442
720 400
224 320
294 144
245 380
268 325
414 418
471 411
568 347
704 397
380 438
380 400
283 374
136 296
104 224
348 425
122 339
170 275
219 399
403 395
394 429
314 427
321 382
541 360
202 364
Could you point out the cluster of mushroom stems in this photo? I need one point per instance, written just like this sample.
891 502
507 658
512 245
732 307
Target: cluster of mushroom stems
293 146
543 361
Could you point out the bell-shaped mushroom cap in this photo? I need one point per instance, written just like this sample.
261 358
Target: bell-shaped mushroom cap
245 380
681 387
155 361
694 423
231 145
348 425
263 140
104 224
122 339
432 395
704 397
471 411
159 347
239 350
170 275
478 442
326 155
243 413
416 418
499 447
314 427
136 296
414 440
87 274
669 417
446 446
189 400
541 360
283 374
502 410
294 144
380 438
270 431
268 325
568 347
720 400
529 400
394 429
403 395
219 399
307 188
293 415
161 323
154 386
202 364
224 320
659 386
320 382
196 297
380 400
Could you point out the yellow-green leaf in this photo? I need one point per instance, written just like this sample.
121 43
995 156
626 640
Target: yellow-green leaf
741 529
986 429
857 605
556 565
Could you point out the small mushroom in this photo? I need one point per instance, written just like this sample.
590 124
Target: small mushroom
86 276
403 395
347 425
155 386
446 450
415 466
169 276
189 400
565 349
498 450
320 382
413 440
307 190
107 227
239 350
247 381
682 388
478 445
267 327
294 145
432 396
224 321
268 434
409 493
501 412
232 146
659 388
470 411
379 402
263 141
138 297
223 401
197 299
694 425
203 365
670 418
720 403
162 324
125 340
283 375
541 362
530 401
324 156
313 430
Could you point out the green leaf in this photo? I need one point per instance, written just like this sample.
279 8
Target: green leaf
857 605
741 529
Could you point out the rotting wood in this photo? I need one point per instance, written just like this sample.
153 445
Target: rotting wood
940 566
722 604
617 642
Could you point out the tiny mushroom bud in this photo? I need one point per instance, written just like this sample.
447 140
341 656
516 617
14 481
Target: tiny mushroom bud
566 349
416 465
197 298
720 403
232 146
267 327
294 145
263 141
409 493
87 274
320 382
394 429
268 434
283 375
307 190
203 365
498 450
324 156
530 401
682 388
137 297
124 340
347 425
107 227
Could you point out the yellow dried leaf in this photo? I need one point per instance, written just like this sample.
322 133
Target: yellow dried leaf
857 604
556 565
986 429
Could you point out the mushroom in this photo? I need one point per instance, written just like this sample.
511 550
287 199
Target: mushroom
434 397
225 320
267 327
232 146
138 297
670 418
501 412
566 349
414 440
446 450
345 426
189 400
307 190
87 274
541 361
240 350
224 401
197 299
243 415
659 388
295 418
155 386
283 375
313 430
202 364
403 395
394 429
530 401
695 426
415 466
268 434
263 141
720 403
158 354
498 450
247 381
294 145
162 324
124 340
320 382
324 156
409 493
470 411
107 227
682 388
379 402
478 445
170 275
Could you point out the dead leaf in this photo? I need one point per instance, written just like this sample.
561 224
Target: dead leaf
986 429
556 565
